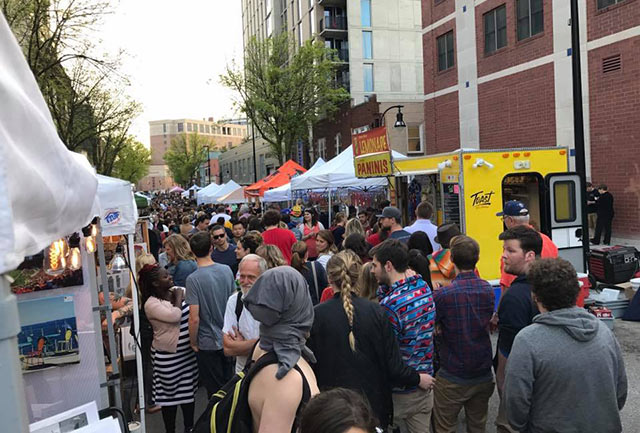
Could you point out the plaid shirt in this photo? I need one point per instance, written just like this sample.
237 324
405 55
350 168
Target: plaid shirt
464 309
408 304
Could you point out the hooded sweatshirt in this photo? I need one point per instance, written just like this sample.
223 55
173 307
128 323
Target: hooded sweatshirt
565 374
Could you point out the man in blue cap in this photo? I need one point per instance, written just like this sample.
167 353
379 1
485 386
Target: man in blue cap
515 214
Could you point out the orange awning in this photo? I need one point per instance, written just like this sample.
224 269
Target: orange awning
278 178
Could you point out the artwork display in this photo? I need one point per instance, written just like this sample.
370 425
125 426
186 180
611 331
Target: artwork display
31 276
48 336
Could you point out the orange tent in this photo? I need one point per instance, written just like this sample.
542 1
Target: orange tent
278 178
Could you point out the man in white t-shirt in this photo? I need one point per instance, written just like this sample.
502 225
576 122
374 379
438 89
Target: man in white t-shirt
241 330
423 223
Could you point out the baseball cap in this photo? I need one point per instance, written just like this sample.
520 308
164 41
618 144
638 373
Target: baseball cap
390 212
514 208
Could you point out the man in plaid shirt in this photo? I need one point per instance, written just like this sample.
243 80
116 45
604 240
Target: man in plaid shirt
408 304
463 311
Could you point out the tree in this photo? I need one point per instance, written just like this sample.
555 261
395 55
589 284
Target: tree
185 156
132 162
283 89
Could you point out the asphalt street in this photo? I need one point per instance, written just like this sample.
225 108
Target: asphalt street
628 334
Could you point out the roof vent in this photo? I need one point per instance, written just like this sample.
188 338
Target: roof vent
611 64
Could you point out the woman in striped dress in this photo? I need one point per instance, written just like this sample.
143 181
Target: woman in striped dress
175 369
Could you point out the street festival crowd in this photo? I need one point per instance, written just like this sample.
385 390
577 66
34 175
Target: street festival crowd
362 325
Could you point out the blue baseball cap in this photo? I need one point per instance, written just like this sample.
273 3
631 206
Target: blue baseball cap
514 208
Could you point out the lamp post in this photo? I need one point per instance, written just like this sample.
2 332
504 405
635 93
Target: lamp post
399 116
208 165
255 168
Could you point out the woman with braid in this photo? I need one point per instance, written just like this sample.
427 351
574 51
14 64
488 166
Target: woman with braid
354 344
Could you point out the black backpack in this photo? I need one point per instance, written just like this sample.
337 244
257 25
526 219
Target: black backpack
228 409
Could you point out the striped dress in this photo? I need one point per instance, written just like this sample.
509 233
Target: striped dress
175 375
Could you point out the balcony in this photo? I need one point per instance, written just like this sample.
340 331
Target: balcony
333 27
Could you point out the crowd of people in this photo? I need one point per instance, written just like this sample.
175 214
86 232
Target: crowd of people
384 326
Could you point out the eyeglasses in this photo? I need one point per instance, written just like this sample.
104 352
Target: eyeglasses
218 236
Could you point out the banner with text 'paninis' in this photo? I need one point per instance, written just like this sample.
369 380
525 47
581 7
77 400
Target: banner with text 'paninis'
372 154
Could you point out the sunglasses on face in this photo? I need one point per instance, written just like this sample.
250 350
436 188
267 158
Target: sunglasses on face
218 236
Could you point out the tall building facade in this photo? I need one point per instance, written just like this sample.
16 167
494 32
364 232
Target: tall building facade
497 74
379 48
223 135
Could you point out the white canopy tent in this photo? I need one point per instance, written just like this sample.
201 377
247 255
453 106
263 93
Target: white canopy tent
283 193
46 192
118 210
339 172
196 188
208 190
234 197
224 190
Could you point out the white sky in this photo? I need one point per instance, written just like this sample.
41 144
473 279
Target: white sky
176 52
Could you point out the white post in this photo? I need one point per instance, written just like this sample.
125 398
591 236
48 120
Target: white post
329 209
12 398
136 325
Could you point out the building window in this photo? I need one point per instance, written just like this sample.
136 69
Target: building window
164 128
322 147
445 51
367 45
207 128
495 29
606 3
312 22
300 34
368 77
202 129
299 10
530 19
189 127
269 26
338 143
365 12
416 139
180 127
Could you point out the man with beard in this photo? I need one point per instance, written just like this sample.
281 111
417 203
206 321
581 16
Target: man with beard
408 304
390 220
522 245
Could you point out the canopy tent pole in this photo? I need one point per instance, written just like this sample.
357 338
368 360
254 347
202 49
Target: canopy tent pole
114 378
329 209
136 325
12 397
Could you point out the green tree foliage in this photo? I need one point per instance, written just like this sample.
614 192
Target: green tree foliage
284 89
133 161
85 93
185 156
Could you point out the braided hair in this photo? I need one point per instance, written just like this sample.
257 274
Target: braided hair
147 275
343 270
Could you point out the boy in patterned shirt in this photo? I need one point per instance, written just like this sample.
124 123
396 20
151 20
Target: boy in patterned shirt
408 304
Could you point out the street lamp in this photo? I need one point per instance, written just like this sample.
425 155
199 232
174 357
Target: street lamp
399 116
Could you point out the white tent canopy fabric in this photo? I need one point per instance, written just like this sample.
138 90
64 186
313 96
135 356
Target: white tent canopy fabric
46 191
221 192
234 197
118 210
339 172
283 193
193 188
208 190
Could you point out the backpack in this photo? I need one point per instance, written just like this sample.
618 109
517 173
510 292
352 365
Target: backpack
228 409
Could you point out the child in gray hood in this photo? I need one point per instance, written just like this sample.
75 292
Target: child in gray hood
565 371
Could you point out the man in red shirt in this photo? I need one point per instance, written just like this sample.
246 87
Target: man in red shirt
516 214
274 235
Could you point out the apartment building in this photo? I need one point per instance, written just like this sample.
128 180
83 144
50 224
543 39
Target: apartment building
237 163
224 134
497 74
379 48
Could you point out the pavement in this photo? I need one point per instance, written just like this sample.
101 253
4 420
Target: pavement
628 334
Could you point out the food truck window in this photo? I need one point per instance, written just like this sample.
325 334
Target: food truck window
564 201
529 189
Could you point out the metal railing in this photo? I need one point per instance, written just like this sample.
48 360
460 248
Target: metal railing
333 23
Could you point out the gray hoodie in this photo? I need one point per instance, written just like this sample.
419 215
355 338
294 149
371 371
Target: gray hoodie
565 374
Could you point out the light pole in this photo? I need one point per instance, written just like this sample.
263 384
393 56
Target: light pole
255 169
208 165
399 116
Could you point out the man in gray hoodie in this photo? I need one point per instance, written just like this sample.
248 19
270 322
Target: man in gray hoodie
565 371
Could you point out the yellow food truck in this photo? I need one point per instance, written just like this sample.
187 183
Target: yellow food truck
468 187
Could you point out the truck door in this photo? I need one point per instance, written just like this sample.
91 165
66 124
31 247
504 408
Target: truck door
564 205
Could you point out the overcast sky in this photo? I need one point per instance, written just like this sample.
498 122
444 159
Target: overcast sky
176 51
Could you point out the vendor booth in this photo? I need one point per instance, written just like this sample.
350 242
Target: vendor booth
281 176
234 197
468 187
283 193
224 189
206 192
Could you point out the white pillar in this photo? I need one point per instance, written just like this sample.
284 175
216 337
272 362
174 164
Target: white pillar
466 60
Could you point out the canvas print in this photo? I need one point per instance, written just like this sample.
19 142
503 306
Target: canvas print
31 277
48 337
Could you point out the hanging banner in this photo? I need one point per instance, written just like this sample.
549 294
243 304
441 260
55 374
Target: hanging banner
372 154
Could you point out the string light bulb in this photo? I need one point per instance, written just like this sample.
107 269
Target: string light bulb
55 257
90 244
75 259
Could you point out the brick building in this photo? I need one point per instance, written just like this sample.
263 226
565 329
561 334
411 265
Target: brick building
497 74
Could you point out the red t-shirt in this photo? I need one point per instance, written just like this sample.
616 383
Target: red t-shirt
281 238
374 239
549 250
